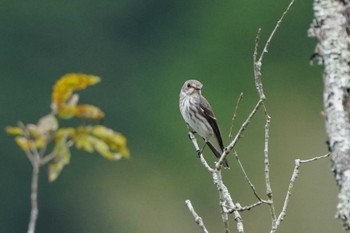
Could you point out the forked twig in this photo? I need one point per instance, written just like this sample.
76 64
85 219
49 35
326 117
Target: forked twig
295 173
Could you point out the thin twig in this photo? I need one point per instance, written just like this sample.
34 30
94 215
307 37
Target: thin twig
196 217
34 158
247 179
238 135
47 158
257 68
28 153
249 207
195 144
235 114
314 159
34 198
295 173
269 192
274 30
260 90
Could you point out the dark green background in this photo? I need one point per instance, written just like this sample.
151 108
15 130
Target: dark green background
144 51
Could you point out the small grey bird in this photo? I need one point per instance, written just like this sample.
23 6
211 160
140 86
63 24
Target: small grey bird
199 116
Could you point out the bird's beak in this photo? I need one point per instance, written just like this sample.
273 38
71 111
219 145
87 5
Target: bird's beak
195 88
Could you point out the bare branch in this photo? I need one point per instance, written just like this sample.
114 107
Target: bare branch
295 173
249 207
238 135
274 31
269 192
235 114
257 68
260 90
196 217
247 179
34 198
195 144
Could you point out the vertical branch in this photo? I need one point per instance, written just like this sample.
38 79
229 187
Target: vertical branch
226 203
35 159
34 198
269 192
225 198
257 63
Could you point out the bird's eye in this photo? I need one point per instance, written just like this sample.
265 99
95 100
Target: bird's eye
188 85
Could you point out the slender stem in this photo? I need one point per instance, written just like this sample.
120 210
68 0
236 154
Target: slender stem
235 114
196 217
238 135
269 192
295 174
274 30
34 198
248 180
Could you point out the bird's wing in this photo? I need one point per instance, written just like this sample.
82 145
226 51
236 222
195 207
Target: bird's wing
209 115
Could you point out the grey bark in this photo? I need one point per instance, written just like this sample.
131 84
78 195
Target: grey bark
331 28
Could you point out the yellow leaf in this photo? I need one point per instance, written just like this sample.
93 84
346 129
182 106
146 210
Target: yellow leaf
89 111
62 158
84 142
13 130
68 83
63 101
40 142
67 111
64 133
24 143
115 140
33 131
29 137
109 144
102 148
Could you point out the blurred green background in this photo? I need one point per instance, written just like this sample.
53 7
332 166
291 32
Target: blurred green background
144 51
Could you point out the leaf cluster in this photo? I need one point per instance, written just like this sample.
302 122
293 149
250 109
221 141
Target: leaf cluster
35 139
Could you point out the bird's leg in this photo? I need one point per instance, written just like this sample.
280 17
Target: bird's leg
194 141
199 152
191 135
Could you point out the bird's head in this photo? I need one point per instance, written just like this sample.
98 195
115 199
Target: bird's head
191 87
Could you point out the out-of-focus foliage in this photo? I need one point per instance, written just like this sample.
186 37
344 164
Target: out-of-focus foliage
36 138
65 104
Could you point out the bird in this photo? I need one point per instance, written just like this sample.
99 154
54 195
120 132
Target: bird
200 118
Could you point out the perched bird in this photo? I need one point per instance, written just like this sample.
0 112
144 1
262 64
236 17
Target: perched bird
199 116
